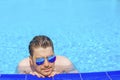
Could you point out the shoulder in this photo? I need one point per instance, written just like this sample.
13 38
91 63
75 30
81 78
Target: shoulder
63 64
24 62
62 60
23 66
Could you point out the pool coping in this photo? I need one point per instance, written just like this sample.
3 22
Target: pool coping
108 75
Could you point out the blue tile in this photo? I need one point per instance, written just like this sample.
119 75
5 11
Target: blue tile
114 75
72 76
31 77
12 77
95 76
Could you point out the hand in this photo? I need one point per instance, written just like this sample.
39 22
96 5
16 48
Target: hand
37 74
40 75
53 73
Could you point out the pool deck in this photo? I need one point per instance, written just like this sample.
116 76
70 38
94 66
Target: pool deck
110 75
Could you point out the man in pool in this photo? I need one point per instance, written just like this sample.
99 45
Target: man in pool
42 61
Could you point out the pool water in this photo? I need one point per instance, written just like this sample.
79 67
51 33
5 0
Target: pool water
87 32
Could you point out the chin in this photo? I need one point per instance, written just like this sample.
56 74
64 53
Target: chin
47 73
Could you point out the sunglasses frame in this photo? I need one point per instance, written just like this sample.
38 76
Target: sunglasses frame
51 59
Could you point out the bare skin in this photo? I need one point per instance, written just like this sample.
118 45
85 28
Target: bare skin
62 64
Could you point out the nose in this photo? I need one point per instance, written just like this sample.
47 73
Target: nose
46 63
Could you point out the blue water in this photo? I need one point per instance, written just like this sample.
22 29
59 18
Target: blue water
87 32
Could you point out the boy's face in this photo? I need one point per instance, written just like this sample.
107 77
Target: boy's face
47 67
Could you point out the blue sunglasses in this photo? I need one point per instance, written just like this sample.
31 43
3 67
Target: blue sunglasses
40 61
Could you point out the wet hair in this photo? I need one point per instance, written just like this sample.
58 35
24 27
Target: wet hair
40 41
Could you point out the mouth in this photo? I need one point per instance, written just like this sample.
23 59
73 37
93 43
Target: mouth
47 70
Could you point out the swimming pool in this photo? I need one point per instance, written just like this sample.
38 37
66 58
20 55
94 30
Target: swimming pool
87 32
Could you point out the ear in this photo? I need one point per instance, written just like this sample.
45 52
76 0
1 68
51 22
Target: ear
31 60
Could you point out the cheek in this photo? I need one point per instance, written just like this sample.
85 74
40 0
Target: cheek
52 65
38 68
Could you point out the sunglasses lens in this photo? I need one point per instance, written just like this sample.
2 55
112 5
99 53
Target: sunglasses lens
40 61
52 59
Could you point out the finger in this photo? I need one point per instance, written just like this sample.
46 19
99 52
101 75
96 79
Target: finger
32 73
57 73
42 76
36 74
52 74
39 75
